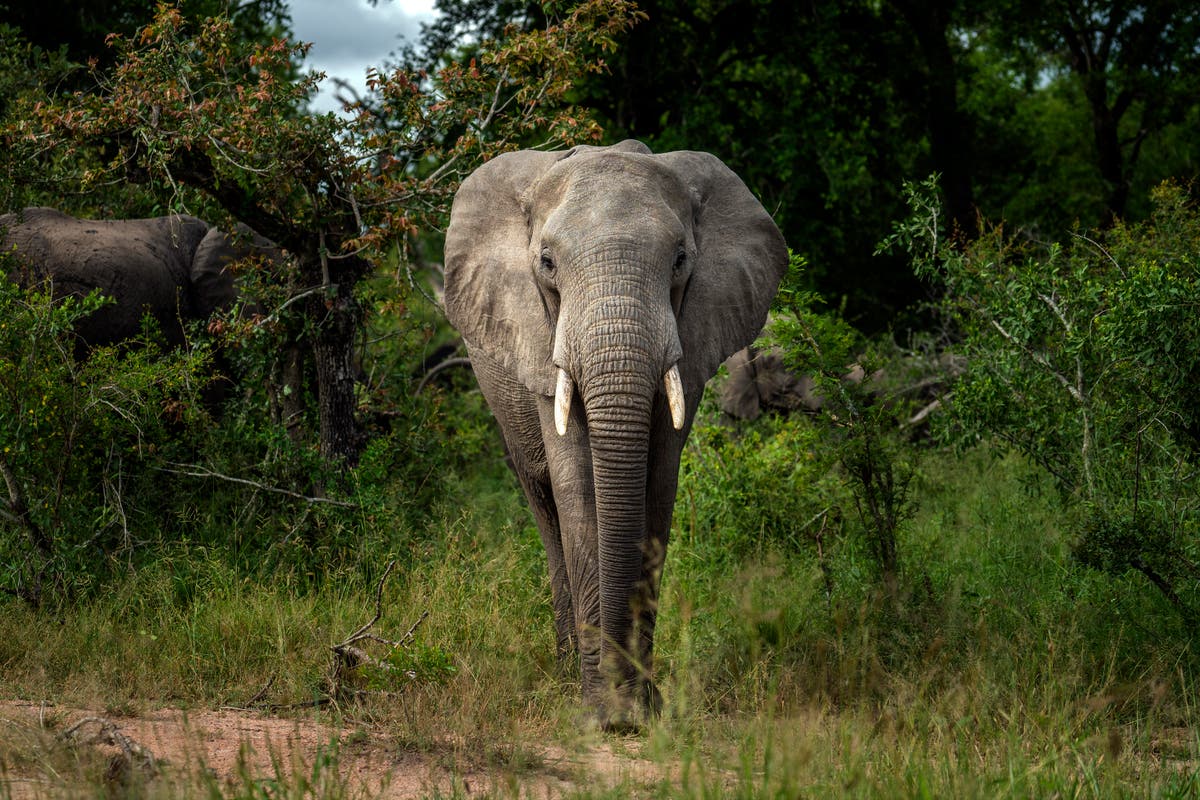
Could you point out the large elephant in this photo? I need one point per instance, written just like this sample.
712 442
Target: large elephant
173 267
597 290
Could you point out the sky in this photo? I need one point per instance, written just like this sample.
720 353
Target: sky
350 35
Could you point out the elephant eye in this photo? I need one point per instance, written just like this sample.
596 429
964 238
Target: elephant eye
680 261
547 263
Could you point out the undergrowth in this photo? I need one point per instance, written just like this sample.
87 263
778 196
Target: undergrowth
999 666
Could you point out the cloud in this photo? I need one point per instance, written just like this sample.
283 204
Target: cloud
348 36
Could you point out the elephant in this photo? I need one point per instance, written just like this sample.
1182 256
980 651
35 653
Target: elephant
597 290
172 267
760 381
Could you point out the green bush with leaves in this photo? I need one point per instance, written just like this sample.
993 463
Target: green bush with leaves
757 486
858 422
1085 357
80 440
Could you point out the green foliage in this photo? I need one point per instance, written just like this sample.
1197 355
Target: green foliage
745 490
859 428
25 72
413 662
79 439
1085 358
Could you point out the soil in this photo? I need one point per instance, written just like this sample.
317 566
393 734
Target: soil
235 747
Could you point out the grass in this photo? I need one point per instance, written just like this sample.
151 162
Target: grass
996 668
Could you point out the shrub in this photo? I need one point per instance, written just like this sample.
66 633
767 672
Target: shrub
858 426
761 485
80 439
1085 357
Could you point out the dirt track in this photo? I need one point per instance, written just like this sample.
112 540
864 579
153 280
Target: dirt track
235 747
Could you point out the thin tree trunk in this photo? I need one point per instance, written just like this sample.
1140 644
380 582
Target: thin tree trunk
949 136
333 353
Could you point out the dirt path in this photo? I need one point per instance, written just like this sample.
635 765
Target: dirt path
235 747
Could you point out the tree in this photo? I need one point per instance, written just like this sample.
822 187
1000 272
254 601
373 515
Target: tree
203 116
1135 63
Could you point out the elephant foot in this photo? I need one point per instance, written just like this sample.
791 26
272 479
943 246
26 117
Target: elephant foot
622 722
628 713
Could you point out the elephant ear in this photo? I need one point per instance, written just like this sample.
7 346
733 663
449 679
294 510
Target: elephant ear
740 259
491 297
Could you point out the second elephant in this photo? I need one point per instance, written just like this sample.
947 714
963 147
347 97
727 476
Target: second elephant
173 268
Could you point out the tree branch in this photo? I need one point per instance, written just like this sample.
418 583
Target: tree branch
195 471
18 512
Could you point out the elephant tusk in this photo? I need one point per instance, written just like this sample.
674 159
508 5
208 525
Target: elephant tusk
562 401
674 387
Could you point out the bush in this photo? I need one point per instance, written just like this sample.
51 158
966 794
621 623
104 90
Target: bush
758 486
858 424
80 440
1086 358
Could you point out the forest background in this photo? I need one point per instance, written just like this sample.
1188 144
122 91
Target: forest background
990 541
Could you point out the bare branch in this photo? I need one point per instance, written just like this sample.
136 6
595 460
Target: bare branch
196 471
133 753
18 512
359 634
1040 359
1100 249
447 364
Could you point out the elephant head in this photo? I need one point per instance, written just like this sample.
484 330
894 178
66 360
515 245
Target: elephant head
598 289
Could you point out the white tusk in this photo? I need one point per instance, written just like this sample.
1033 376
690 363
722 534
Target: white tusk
674 387
562 401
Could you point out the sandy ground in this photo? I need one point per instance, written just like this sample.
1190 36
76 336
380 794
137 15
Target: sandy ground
235 747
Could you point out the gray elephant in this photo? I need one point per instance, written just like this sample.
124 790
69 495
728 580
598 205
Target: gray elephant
173 268
597 290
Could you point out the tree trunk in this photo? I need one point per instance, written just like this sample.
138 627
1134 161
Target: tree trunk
333 353
287 393
1109 157
949 136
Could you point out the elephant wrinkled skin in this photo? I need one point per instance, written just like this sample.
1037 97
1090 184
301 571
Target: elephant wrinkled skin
173 268
597 290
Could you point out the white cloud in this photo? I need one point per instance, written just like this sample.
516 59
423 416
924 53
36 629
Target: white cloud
348 36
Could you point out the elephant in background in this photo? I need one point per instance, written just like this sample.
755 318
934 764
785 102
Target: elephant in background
759 381
597 290
173 267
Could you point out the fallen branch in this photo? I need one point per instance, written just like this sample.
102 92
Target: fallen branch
920 416
350 658
132 754
195 471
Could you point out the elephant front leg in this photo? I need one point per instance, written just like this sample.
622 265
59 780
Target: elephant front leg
570 474
520 421
545 513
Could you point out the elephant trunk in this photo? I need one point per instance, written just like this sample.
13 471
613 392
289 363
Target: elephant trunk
619 433
629 356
